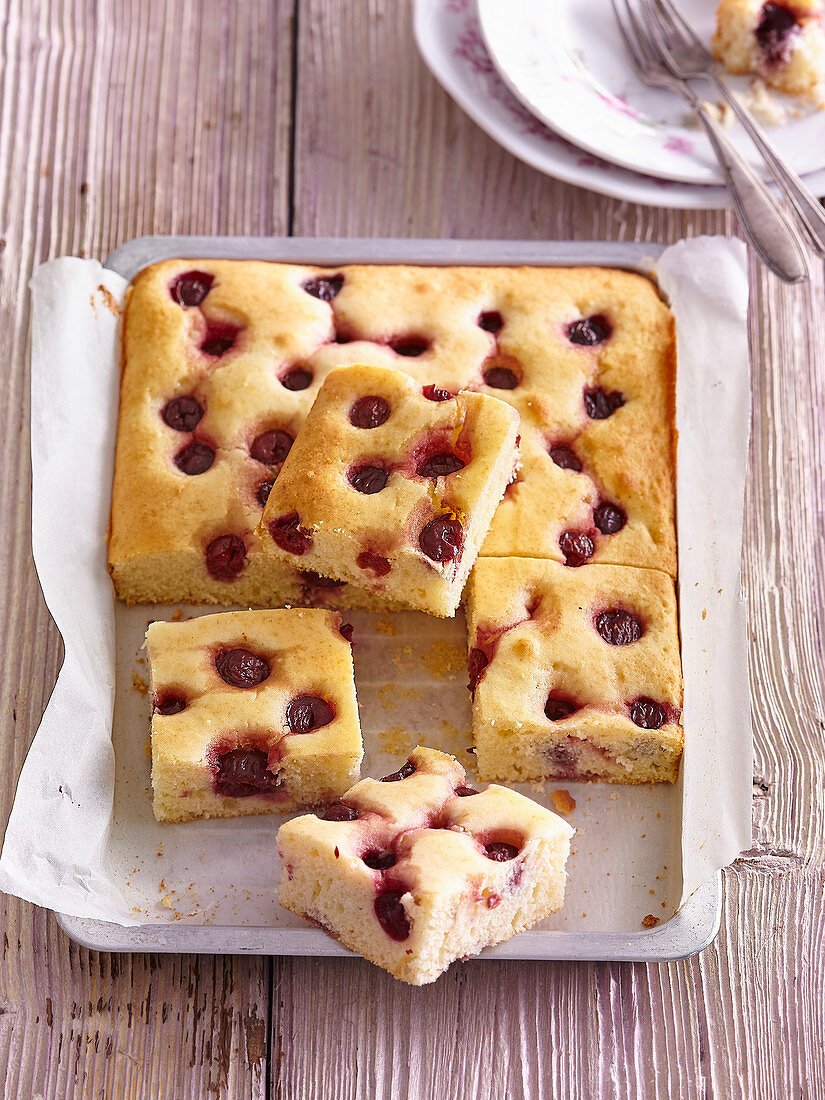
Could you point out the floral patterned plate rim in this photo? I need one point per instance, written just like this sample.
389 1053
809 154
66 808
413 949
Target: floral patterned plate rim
564 60
449 38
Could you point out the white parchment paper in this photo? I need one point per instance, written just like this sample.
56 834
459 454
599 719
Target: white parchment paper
81 838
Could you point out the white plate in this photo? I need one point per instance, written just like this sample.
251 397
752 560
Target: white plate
567 64
450 40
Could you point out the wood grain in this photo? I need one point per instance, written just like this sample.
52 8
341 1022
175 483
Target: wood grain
118 119
126 117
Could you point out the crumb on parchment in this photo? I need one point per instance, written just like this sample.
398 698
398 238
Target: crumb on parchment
139 684
395 741
386 626
650 921
563 801
444 661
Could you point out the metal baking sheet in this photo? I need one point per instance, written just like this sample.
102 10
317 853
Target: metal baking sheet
694 926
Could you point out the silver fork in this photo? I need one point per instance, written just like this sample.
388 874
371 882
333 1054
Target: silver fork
688 58
767 228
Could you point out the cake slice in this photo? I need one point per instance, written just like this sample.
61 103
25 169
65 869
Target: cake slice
575 673
252 712
782 42
391 486
417 869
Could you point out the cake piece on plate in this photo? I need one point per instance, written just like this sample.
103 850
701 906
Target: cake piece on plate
252 712
783 42
391 486
418 869
576 674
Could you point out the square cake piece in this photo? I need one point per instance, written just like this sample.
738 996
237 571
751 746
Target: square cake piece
391 486
252 712
417 869
222 361
576 674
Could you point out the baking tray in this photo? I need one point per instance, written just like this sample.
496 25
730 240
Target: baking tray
697 922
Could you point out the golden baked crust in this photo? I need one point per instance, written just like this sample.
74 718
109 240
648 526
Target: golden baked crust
576 672
390 490
418 870
257 323
253 712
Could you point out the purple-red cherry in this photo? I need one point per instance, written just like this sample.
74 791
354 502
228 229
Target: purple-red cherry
566 458
287 532
434 393
464 792
337 811
558 708
183 414
577 547
392 916
500 852
373 563
263 491
368 479
476 664
307 713
191 288
501 378
379 861
491 321
226 557
619 627
441 465
647 713
409 346
587 332
369 412
244 772
220 338
242 668
272 447
609 518
442 539
195 458
171 702
774 31
324 287
599 404
404 772
298 378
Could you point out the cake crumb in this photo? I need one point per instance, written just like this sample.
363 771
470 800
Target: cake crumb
395 741
167 902
444 661
384 626
139 684
177 616
650 921
563 801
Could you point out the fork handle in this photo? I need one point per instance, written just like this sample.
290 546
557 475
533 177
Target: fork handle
811 214
768 229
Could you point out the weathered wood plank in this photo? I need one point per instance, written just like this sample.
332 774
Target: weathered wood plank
119 118
381 150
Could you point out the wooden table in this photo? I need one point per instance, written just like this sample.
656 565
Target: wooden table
127 117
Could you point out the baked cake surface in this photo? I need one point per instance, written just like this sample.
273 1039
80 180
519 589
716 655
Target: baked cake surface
253 712
222 361
782 42
576 673
418 869
391 486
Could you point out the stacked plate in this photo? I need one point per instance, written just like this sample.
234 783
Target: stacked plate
550 81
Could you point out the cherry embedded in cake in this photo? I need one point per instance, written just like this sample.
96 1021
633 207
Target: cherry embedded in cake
253 712
576 672
783 42
390 490
419 869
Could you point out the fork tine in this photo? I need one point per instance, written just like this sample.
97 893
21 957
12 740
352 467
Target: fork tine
678 24
657 31
628 39
641 38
